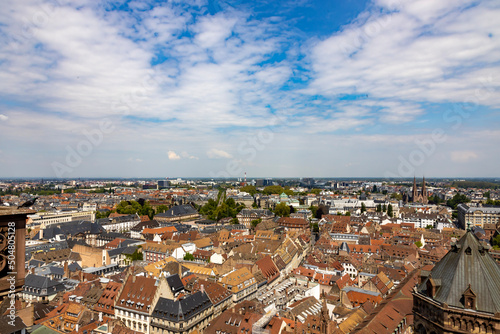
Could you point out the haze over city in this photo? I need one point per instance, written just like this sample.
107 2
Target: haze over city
274 89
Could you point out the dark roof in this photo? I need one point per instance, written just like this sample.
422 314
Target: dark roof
468 263
6 326
175 283
74 267
344 247
40 282
179 211
72 228
146 224
182 310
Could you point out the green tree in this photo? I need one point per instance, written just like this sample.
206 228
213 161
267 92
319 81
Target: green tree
492 202
435 199
384 208
105 214
428 227
397 196
487 195
496 242
456 200
418 244
249 189
161 208
374 190
379 208
315 191
255 222
314 210
282 210
389 210
135 256
363 207
347 213
189 257
315 227
272 190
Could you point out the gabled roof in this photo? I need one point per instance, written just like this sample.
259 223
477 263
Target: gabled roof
178 211
182 310
175 283
467 263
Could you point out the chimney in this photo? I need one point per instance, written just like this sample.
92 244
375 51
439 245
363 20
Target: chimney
66 270
202 288
133 278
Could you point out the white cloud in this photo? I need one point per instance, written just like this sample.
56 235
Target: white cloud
186 155
3 117
216 153
463 156
417 52
173 156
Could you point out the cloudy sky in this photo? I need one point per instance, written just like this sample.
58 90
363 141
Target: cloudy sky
275 88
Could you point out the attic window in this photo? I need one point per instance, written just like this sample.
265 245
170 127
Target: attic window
468 251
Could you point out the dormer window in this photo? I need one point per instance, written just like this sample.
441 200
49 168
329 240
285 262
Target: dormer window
469 298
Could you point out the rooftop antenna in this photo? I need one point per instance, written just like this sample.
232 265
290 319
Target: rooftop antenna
245 179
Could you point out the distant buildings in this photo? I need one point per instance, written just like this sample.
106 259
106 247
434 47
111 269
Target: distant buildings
478 216
246 216
178 213
416 195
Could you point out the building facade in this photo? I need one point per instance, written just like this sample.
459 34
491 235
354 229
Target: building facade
478 216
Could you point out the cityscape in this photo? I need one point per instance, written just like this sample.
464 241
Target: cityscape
249 167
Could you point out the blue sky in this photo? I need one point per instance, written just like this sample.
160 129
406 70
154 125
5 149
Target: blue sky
376 88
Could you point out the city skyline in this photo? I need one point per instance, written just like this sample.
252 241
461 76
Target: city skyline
387 89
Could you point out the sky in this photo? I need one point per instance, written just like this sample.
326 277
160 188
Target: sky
297 88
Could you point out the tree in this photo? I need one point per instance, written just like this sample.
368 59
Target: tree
189 257
434 199
397 196
384 208
418 244
135 256
379 208
161 208
314 227
347 213
249 189
315 191
255 222
374 190
496 242
428 227
492 202
456 200
363 207
487 195
322 210
389 210
314 210
272 190
282 210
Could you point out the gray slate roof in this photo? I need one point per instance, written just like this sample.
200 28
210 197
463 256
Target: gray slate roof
181 310
175 283
179 211
466 263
